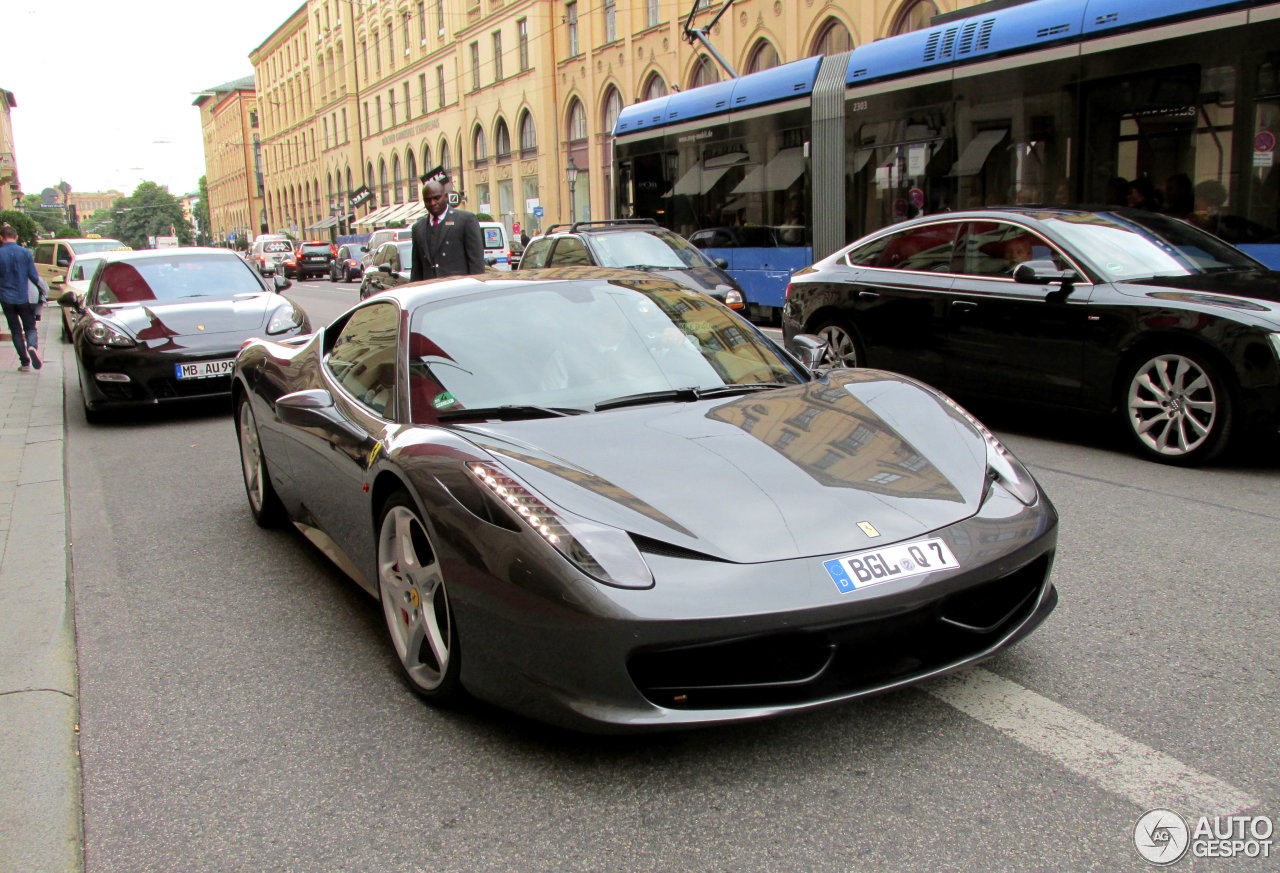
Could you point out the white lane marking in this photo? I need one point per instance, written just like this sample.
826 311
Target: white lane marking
1147 778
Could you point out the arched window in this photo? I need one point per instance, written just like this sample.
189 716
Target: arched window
479 147
654 88
528 135
763 57
426 158
914 15
833 37
411 171
384 188
502 140
577 128
612 109
704 73
370 181
397 179
445 159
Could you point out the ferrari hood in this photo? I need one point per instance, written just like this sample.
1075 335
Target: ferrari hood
194 316
862 458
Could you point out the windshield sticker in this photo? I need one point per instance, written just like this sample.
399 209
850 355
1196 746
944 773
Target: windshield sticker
444 401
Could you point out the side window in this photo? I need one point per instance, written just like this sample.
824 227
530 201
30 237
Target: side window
362 357
64 256
44 253
535 256
995 249
925 249
393 258
570 252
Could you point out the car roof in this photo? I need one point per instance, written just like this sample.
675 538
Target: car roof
413 294
161 254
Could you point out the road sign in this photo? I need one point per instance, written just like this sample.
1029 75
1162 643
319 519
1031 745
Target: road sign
537 212
515 227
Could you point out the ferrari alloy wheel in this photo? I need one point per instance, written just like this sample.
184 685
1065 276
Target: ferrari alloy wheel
415 602
1178 409
842 346
264 504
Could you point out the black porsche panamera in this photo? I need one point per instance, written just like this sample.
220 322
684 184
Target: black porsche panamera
1114 311
620 506
165 325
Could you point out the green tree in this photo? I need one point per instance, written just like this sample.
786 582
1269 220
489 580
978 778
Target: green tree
27 229
49 218
150 211
99 222
202 214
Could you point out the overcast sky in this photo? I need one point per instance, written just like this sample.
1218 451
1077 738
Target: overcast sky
104 89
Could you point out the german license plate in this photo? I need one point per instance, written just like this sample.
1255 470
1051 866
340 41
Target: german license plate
874 566
205 369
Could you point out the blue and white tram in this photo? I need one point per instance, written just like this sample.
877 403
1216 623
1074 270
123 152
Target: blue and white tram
1171 105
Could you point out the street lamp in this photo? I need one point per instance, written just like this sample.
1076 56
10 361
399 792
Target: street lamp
571 175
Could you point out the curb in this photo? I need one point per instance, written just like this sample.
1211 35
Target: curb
40 787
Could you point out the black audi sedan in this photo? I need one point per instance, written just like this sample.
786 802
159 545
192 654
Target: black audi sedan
602 499
165 325
1111 311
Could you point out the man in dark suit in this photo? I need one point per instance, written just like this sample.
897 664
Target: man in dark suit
446 241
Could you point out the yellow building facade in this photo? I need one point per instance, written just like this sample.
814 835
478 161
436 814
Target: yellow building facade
229 121
370 94
89 202
10 187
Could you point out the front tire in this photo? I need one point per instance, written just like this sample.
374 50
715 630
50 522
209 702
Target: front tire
264 503
415 603
1178 409
843 349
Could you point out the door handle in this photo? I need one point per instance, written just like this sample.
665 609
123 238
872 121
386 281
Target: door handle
964 304
868 295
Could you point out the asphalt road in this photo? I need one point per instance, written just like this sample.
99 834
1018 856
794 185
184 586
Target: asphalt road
241 709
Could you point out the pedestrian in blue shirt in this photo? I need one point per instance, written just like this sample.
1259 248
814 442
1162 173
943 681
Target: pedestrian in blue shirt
17 268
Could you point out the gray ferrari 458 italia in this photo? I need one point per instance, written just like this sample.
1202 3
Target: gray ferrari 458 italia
607 502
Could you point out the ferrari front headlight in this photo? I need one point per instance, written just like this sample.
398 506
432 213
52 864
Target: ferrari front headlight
604 553
1002 466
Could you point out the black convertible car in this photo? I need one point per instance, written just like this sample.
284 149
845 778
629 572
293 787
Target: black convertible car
165 325
620 506
1102 311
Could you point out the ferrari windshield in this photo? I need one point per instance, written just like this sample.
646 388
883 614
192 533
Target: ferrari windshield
576 345
145 279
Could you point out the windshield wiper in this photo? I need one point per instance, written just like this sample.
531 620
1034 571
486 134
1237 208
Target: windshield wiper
741 388
685 394
508 413
670 394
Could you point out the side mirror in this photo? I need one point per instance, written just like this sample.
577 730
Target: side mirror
721 263
282 283
69 300
810 349
1043 273
363 249
385 268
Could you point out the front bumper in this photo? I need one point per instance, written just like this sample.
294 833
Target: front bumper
151 375
715 642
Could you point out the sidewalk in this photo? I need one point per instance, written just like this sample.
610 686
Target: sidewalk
40 822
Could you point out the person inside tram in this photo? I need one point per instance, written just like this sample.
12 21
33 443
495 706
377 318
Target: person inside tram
1141 194
1179 199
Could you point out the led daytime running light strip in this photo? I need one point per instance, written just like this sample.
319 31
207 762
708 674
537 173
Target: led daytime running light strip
538 516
